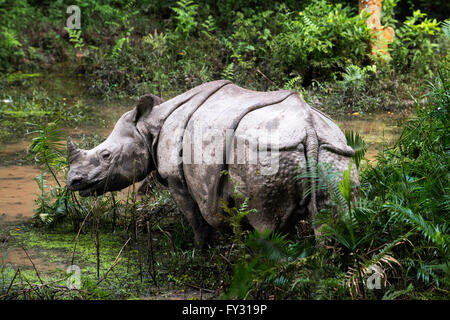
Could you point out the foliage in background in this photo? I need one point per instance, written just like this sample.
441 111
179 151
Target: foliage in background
414 46
258 45
319 40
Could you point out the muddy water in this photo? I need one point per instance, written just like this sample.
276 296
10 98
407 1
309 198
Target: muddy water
14 148
18 189
17 192
17 257
378 131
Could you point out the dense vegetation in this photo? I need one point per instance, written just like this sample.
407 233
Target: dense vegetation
397 231
126 49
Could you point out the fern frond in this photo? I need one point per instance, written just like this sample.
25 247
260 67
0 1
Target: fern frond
445 26
345 185
228 72
310 24
380 261
323 177
431 232
271 246
357 143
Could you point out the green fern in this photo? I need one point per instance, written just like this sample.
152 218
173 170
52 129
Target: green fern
210 26
117 49
322 176
312 26
392 294
47 147
228 72
269 245
357 143
445 26
433 233
75 37
186 11
269 252
9 38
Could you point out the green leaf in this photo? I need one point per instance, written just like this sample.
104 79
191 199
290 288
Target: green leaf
357 143
345 184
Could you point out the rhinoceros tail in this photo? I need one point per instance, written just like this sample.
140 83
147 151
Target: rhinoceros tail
312 155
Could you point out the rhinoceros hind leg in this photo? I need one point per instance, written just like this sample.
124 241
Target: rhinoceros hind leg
277 197
340 162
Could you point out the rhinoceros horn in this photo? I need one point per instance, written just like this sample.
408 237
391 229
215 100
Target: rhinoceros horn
72 148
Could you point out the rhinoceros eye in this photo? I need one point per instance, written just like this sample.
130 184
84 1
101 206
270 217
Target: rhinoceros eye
105 155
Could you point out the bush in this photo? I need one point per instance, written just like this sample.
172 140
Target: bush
319 40
414 46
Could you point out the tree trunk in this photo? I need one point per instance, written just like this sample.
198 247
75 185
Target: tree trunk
382 36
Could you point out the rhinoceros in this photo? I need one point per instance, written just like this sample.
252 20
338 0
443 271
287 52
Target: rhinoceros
211 141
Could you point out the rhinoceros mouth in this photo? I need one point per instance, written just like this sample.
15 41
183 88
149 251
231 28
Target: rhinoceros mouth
93 188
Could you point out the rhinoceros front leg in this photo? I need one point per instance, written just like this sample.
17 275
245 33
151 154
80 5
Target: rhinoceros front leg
190 210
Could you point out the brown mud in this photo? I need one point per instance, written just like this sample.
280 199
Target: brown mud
17 192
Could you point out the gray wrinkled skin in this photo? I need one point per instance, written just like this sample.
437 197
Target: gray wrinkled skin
151 137
120 160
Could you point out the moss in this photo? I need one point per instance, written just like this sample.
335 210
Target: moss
57 247
131 277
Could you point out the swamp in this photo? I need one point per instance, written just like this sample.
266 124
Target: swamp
390 97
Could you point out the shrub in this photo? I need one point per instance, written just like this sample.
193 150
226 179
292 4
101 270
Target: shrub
319 40
414 45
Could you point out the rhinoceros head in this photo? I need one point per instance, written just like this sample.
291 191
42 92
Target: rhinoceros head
123 158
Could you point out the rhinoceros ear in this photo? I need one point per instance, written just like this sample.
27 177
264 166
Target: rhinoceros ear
145 105
73 150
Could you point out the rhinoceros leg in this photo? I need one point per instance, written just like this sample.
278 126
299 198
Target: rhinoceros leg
278 198
190 210
340 161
